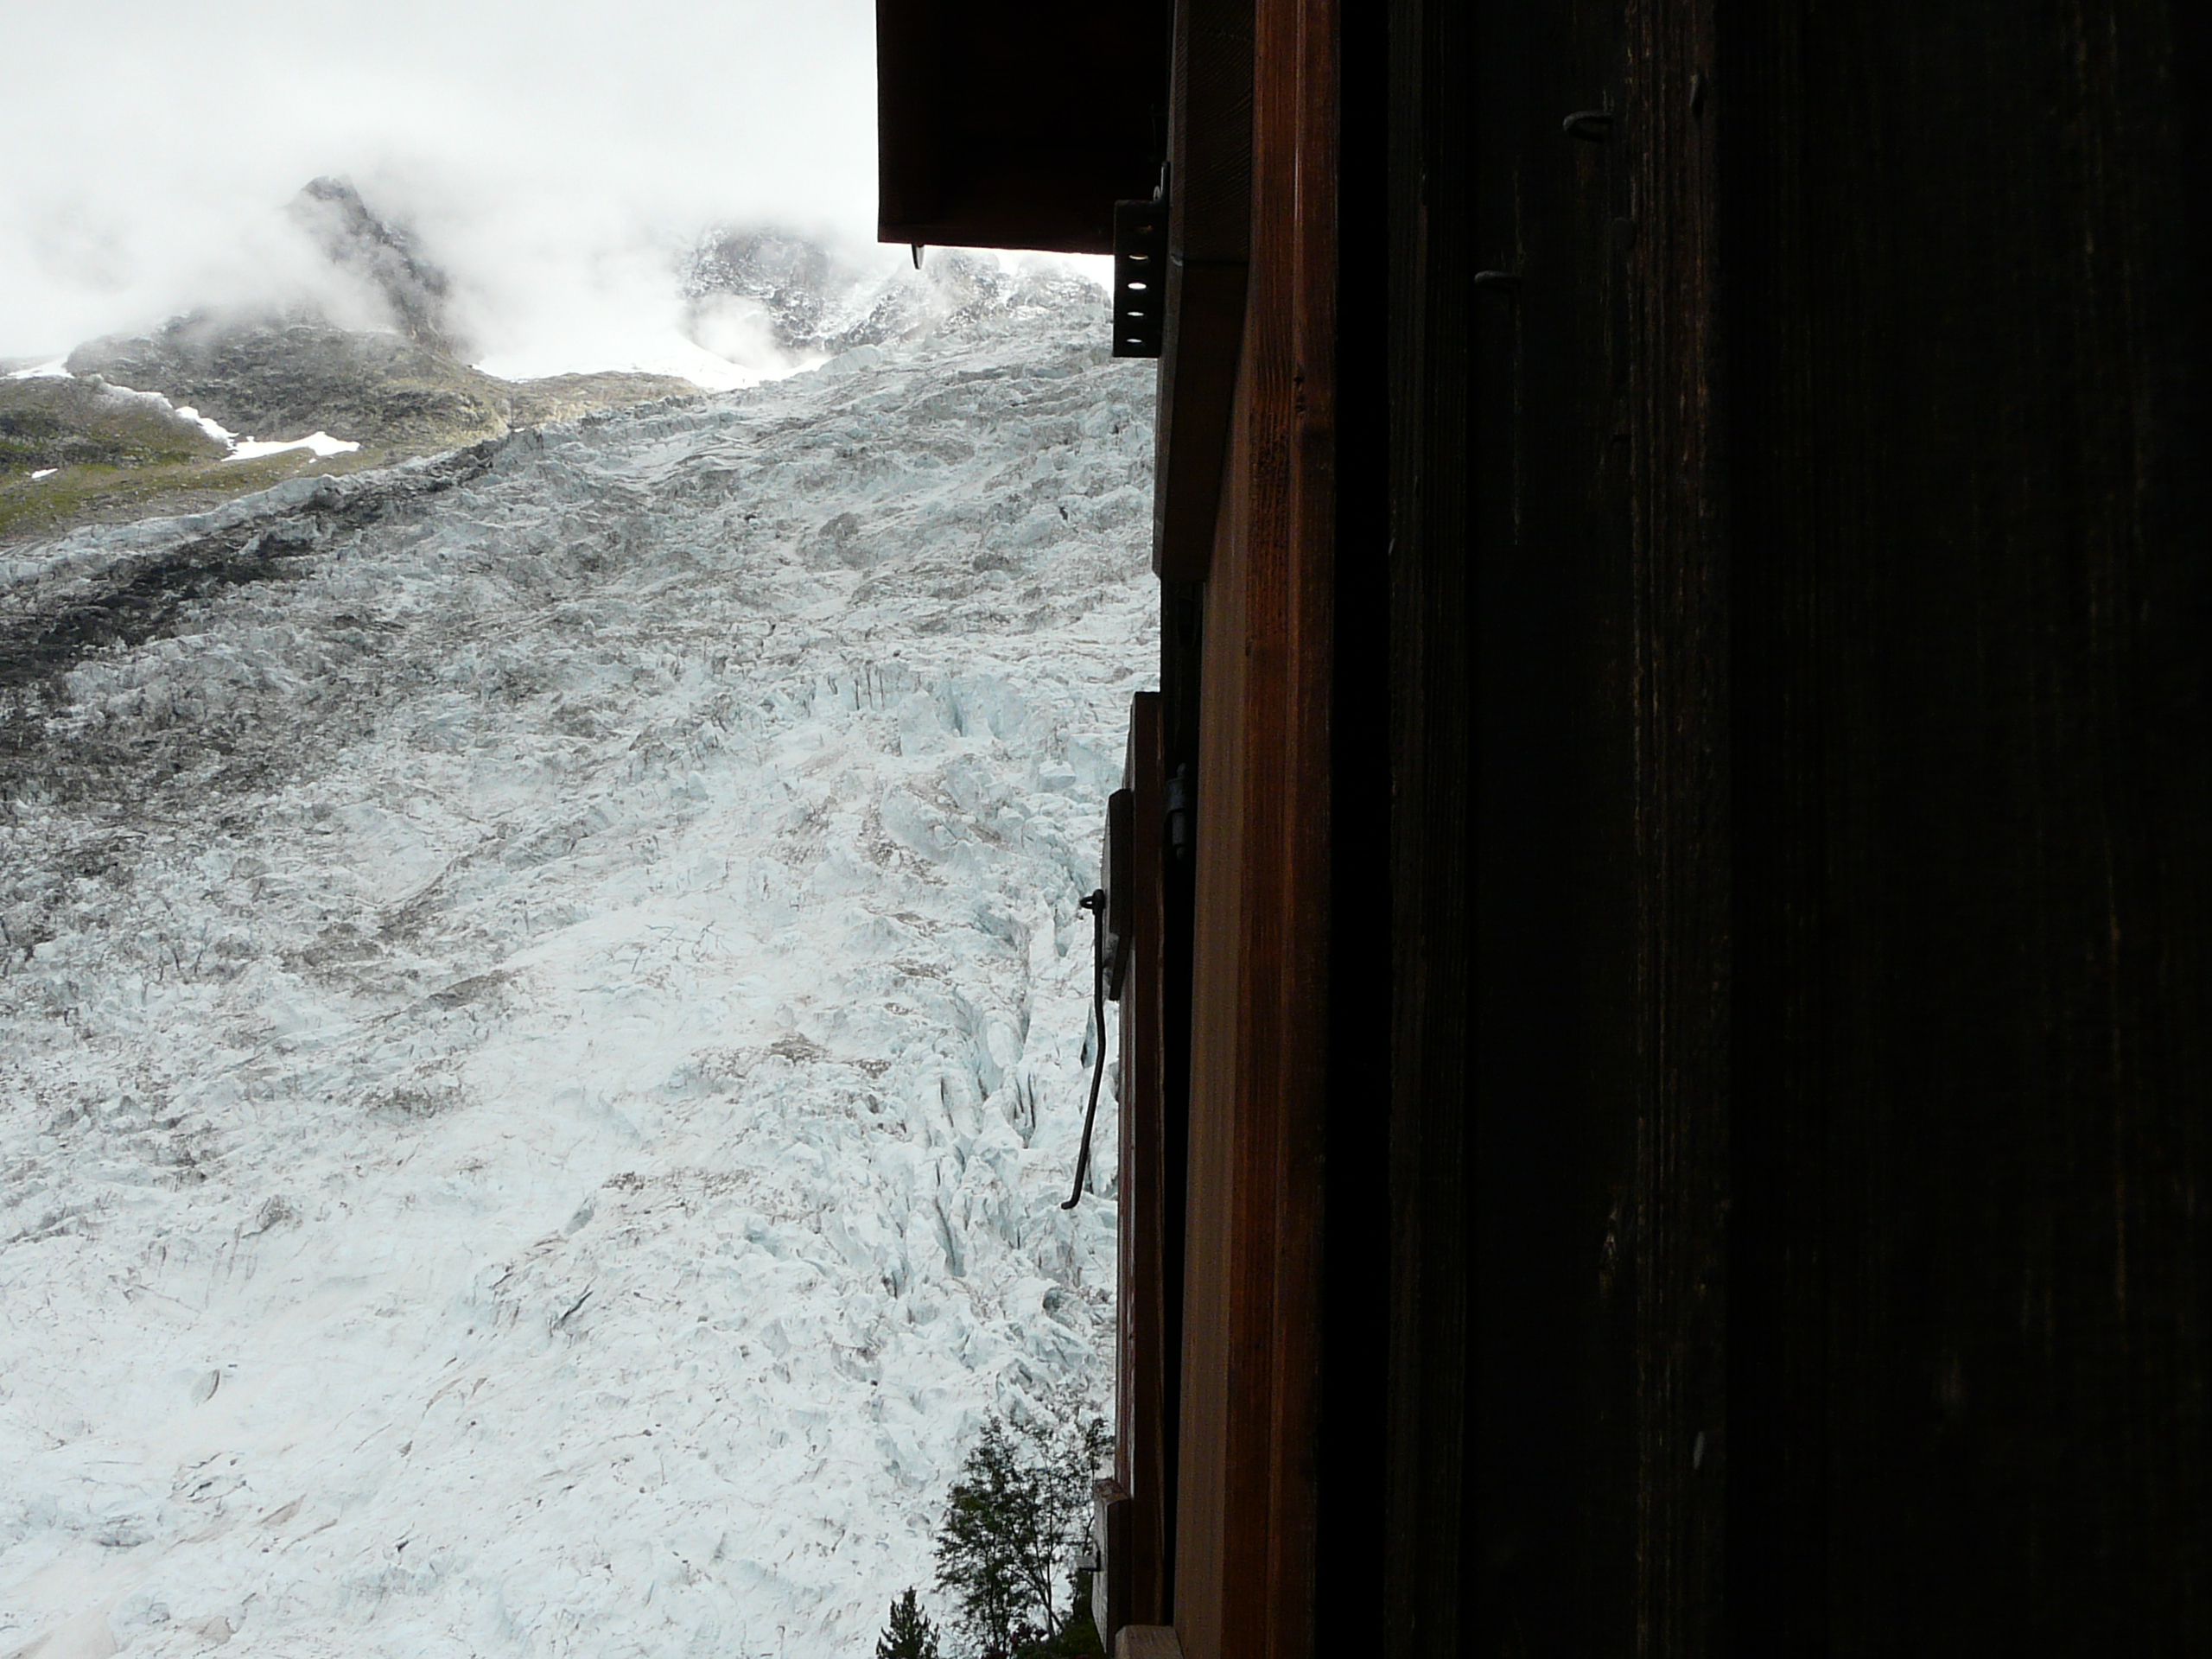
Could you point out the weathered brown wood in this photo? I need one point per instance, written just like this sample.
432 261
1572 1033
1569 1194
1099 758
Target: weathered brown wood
1678 527
1294 201
1145 1375
1147 1641
1514 1080
1221 1361
1209 238
1559 1062
1968 424
1252 1349
1798 813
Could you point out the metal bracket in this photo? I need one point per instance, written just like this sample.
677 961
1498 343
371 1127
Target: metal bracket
1139 277
1182 814
1119 874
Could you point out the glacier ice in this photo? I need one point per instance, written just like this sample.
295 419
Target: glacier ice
543 1031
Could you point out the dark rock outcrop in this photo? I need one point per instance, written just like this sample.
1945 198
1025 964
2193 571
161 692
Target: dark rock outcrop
384 257
285 377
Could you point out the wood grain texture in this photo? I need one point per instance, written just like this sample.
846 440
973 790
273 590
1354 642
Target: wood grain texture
1245 1565
1799 809
1144 1380
1295 104
1518 1072
1678 526
1968 424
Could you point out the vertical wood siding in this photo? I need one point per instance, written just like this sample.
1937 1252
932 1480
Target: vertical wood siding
1245 1563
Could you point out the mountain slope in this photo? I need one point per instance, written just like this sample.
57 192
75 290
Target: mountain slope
545 1014
78 450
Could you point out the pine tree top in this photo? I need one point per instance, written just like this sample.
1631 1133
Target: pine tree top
909 1634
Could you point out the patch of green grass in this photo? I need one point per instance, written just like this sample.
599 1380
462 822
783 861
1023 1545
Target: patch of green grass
101 493
116 456
56 422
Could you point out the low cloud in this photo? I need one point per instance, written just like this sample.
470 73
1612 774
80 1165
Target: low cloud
556 160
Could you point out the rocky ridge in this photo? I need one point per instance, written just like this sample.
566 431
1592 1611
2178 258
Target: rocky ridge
384 258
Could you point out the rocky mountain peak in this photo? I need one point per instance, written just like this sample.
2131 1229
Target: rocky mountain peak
383 256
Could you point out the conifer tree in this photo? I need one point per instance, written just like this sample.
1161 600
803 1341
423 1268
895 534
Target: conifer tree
909 1634
1009 1522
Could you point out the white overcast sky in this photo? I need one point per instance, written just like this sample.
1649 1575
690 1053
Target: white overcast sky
551 154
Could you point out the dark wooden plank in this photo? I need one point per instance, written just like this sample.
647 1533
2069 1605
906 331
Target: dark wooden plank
1295 114
1350 1463
1181 650
1198 383
1859 882
1245 1566
1555 880
1219 1365
1000 125
1678 520
1560 1065
1430 197
1968 427
1778 1349
1209 237
1145 1412
1515 1069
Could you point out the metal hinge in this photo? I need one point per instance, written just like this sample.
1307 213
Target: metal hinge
1182 814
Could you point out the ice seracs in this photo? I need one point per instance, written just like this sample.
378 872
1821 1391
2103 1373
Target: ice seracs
543 1014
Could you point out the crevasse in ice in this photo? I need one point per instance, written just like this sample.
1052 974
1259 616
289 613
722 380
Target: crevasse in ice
543 1028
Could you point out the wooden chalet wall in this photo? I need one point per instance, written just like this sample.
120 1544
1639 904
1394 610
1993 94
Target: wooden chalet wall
1742 558
1252 1371
1970 1269
1801 646
1668 1110
1560 846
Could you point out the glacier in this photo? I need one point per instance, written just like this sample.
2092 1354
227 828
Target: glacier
547 1015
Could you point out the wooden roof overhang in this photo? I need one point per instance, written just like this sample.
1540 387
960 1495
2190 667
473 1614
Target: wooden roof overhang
1002 125
1006 127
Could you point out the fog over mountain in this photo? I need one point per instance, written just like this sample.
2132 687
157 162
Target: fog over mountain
557 161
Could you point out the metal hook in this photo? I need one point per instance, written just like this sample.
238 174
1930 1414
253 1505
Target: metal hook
1095 903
